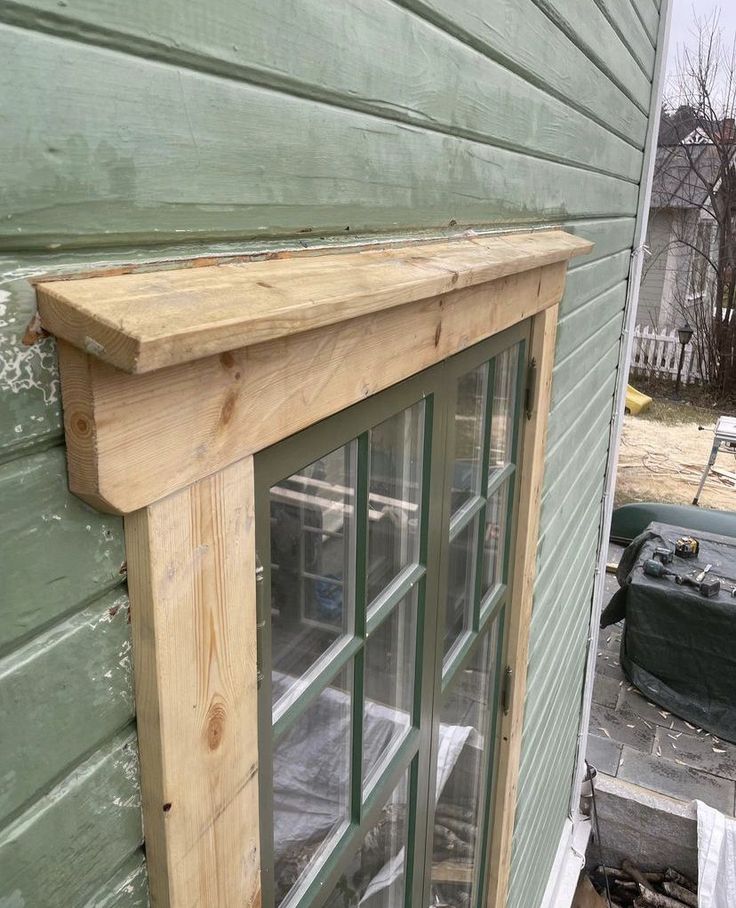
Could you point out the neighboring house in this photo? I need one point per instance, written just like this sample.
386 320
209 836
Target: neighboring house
681 222
285 249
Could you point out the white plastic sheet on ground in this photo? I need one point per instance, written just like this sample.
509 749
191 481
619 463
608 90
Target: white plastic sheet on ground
716 858
311 773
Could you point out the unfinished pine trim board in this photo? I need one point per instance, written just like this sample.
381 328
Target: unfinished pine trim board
143 322
171 382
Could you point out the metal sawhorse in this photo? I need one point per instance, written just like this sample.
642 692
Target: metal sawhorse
724 439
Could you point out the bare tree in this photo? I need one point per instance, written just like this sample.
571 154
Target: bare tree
696 179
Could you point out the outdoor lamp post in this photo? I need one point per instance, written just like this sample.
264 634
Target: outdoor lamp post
684 334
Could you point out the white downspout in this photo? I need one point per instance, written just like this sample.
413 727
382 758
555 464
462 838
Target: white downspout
632 300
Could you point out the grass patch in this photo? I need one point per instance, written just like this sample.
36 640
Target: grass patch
676 413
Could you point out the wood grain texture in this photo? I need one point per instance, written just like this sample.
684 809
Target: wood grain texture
532 472
73 686
180 154
135 438
57 552
407 70
192 589
143 322
523 37
587 25
77 834
637 23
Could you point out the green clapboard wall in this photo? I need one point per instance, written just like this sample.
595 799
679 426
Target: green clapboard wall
156 129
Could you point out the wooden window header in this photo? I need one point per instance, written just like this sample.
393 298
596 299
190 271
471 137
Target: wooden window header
142 322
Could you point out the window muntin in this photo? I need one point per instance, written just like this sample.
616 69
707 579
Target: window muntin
465 720
395 474
311 783
469 419
388 688
505 382
394 496
312 567
377 874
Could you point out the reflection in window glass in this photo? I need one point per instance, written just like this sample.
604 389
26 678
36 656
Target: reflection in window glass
311 782
468 457
390 655
503 406
462 758
394 496
460 584
312 545
376 877
494 538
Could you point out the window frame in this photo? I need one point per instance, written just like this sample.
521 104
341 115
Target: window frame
162 419
436 389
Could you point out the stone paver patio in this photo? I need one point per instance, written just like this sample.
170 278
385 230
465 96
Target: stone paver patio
638 742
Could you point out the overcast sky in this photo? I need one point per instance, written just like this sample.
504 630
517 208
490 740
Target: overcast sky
683 13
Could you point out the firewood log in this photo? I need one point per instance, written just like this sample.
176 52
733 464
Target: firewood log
637 876
681 893
674 876
648 898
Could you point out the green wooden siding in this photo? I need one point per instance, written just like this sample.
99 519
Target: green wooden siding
146 131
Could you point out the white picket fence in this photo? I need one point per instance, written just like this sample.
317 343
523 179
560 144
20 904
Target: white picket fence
656 354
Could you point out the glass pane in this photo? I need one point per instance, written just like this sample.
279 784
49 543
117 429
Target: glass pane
460 584
312 545
494 538
468 436
395 488
461 771
390 658
503 407
376 877
311 784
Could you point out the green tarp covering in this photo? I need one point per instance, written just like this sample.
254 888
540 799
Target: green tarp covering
679 647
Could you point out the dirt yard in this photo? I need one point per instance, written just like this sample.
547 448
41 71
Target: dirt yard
663 453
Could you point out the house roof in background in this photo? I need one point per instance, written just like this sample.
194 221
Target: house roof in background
683 175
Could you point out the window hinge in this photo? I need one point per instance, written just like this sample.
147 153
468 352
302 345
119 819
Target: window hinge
260 622
506 690
531 387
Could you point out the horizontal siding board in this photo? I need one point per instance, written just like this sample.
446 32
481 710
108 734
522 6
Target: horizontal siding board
539 830
561 509
590 28
520 35
552 580
30 407
71 686
604 369
592 279
634 33
594 416
609 235
183 151
648 14
58 553
598 311
565 688
128 888
541 782
571 372
64 847
560 611
539 847
544 721
408 70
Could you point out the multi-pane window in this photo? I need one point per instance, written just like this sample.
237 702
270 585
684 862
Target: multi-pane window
384 535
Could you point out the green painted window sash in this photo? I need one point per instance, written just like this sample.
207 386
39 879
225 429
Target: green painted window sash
436 387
